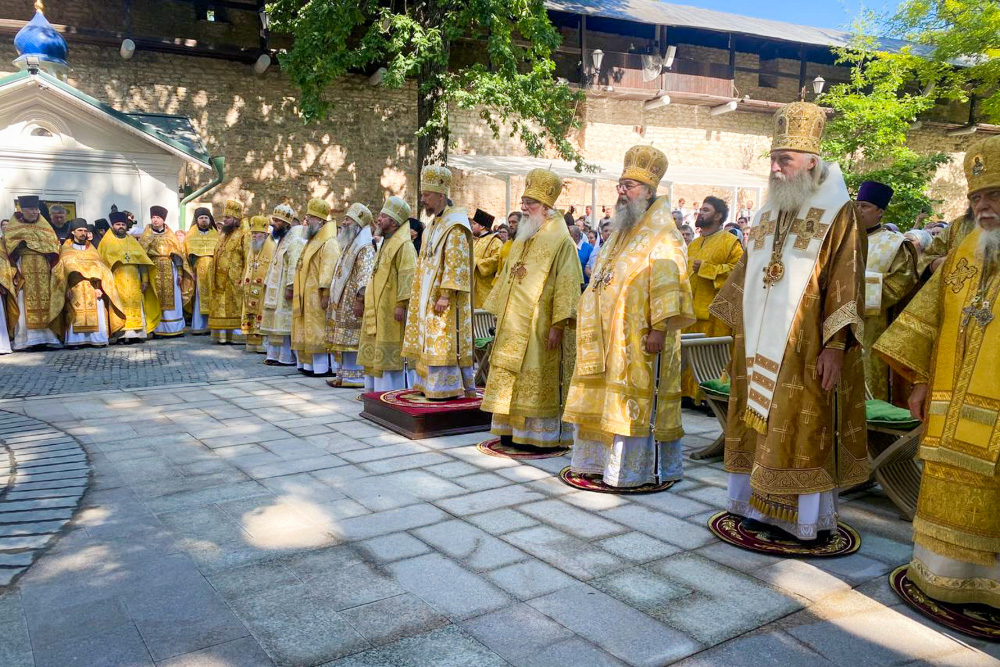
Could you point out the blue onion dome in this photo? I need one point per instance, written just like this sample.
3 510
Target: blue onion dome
39 39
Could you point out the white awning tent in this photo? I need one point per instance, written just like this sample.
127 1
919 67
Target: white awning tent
505 166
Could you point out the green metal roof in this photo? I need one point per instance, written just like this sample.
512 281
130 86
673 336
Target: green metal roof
173 132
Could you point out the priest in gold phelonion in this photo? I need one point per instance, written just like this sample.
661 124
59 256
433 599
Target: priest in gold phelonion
225 317
947 342
259 256
625 397
796 430
311 290
535 301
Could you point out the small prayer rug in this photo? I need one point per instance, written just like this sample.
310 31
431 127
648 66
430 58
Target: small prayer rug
729 528
975 620
414 402
494 448
594 483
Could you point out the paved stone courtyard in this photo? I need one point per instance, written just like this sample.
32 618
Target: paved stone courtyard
257 520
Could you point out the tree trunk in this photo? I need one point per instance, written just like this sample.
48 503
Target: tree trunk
433 147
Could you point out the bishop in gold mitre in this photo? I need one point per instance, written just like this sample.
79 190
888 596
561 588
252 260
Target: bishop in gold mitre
226 314
535 301
625 397
890 277
84 294
259 256
438 339
796 431
33 249
947 341
711 259
311 290
485 255
170 275
276 322
131 267
354 269
199 251
8 301
386 298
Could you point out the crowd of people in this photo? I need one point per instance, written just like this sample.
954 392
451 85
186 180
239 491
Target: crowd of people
826 302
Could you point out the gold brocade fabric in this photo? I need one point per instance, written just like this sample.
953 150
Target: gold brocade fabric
444 266
34 249
8 291
343 329
162 248
947 240
199 248
75 280
719 254
486 257
932 341
381 342
277 318
128 262
226 313
502 258
814 440
527 379
253 286
313 273
639 283
898 282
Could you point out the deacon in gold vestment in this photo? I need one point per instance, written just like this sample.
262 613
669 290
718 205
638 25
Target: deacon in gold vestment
535 302
947 341
438 338
33 249
796 431
311 290
199 249
226 315
131 266
276 323
84 295
258 260
354 269
386 297
625 398
8 301
711 259
485 255
890 277
170 275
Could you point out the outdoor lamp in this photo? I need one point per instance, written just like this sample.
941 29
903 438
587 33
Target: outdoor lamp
668 59
127 49
818 84
263 62
597 56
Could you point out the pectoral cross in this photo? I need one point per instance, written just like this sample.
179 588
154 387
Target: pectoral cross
519 271
603 280
983 315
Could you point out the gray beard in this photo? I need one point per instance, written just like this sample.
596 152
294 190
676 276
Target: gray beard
988 248
312 231
791 194
257 245
628 214
345 237
530 224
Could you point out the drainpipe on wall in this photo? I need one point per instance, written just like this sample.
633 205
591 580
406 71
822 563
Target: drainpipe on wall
219 165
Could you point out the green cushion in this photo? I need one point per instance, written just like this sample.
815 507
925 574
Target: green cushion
481 343
716 388
884 414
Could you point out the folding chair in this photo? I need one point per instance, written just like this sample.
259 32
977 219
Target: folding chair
483 329
708 358
893 439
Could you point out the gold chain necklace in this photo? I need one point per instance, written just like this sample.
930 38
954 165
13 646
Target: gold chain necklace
605 275
775 270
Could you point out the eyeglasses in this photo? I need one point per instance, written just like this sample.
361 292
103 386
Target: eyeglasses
627 186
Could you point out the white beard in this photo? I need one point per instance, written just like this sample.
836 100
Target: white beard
628 214
257 245
988 248
346 236
791 194
530 224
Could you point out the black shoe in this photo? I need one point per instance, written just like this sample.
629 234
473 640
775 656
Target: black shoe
507 440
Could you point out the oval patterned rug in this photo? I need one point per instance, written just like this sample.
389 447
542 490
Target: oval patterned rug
729 528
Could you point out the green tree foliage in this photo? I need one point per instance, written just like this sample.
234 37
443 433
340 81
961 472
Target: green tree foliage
868 133
960 44
509 77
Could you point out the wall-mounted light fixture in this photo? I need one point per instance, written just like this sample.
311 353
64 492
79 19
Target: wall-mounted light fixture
127 49
818 84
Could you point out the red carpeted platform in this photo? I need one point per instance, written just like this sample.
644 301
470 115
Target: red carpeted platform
409 413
